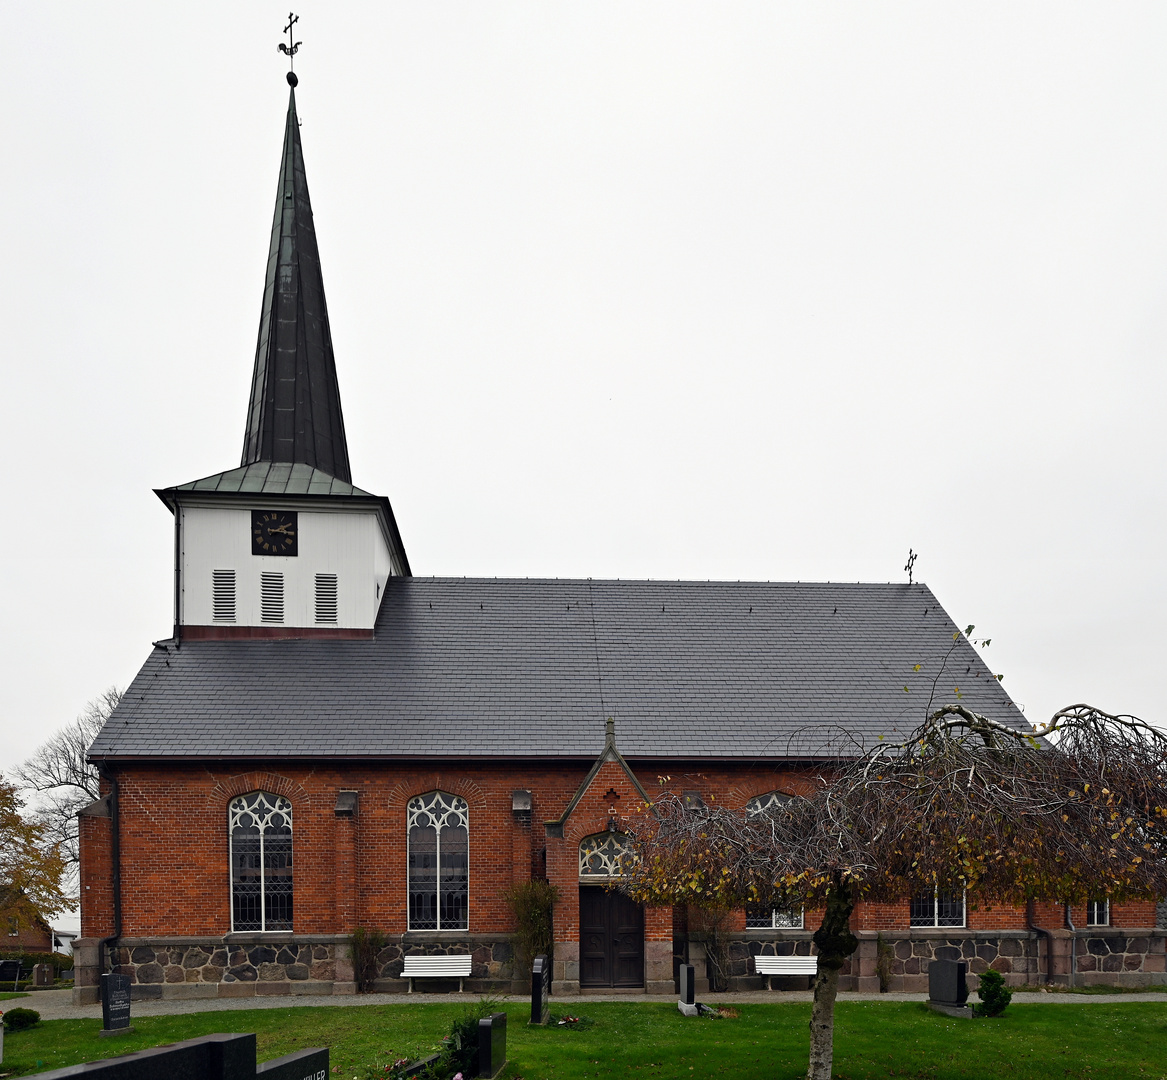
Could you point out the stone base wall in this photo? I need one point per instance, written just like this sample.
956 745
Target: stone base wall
242 965
1100 956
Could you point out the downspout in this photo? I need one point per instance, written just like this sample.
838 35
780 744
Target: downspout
116 859
177 572
1049 943
1073 944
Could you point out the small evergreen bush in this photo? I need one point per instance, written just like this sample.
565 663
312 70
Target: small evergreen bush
19 1019
994 994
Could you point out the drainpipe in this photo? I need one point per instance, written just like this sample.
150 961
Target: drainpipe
1073 944
116 859
1049 943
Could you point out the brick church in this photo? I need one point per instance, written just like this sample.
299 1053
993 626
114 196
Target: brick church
327 742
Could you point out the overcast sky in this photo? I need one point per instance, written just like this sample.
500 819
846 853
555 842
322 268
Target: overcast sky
723 290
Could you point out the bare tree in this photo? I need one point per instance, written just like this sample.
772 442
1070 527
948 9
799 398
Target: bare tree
1073 809
63 779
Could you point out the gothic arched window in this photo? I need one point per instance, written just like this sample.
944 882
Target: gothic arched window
765 804
603 855
439 862
260 828
758 916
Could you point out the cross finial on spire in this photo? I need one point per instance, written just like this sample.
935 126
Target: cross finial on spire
912 555
291 48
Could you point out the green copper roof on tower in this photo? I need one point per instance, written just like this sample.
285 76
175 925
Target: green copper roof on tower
294 414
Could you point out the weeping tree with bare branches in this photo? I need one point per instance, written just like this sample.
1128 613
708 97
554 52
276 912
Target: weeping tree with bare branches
1067 810
60 778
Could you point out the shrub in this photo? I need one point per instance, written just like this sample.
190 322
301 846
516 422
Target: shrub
531 903
19 1019
364 948
994 994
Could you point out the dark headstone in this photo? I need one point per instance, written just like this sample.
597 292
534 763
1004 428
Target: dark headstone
115 1002
42 975
211 1057
492 1044
946 982
302 1065
540 990
688 995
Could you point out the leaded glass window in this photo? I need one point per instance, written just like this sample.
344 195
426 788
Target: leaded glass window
939 908
439 862
603 855
759 917
261 862
765 804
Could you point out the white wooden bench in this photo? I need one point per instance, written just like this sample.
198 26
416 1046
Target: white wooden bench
436 967
785 965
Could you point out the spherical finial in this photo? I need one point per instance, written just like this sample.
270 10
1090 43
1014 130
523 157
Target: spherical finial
292 80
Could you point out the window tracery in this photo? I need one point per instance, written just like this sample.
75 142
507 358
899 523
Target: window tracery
603 855
439 861
260 835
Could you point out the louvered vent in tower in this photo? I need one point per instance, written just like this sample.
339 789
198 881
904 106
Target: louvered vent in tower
223 595
271 597
326 598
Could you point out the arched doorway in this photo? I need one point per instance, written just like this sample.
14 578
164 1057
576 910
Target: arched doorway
611 924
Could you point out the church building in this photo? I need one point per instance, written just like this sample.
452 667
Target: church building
328 742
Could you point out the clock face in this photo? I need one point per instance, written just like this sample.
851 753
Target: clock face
274 532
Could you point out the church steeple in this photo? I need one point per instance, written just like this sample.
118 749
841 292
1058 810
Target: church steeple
294 414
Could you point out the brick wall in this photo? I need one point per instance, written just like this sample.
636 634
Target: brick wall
351 871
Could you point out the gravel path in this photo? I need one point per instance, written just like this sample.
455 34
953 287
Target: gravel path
58 1004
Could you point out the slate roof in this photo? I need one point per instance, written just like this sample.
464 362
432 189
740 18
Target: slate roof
516 668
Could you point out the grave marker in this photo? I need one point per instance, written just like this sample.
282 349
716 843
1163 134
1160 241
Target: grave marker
540 990
210 1057
115 1004
947 988
492 1044
688 1004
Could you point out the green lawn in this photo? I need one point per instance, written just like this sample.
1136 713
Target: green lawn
654 1042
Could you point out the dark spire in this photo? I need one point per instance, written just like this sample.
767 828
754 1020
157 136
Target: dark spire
294 414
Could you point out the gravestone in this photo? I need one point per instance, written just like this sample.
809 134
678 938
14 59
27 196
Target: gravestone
115 1004
947 988
540 990
42 975
687 1004
210 1057
492 1044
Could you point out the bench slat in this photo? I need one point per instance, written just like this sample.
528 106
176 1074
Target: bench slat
421 966
786 965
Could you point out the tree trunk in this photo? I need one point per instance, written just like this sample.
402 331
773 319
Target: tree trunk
835 943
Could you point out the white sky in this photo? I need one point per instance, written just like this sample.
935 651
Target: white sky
733 290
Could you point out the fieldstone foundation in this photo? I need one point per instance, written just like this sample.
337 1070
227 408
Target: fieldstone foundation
246 965
1100 956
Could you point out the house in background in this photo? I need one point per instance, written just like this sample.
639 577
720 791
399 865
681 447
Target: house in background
24 929
327 742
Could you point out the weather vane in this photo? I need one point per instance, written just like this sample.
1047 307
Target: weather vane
291 48
910 564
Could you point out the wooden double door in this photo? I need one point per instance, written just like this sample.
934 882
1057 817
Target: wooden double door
611 938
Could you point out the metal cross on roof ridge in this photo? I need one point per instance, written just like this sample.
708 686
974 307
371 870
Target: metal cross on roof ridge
292 46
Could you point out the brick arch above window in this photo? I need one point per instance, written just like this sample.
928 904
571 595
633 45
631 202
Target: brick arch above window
581 825
403 791
259 780
737 796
